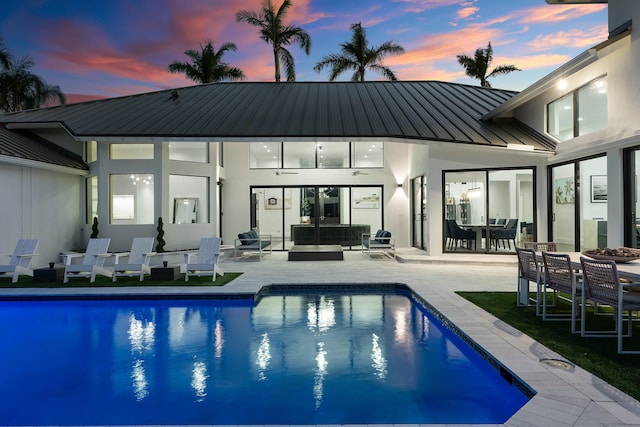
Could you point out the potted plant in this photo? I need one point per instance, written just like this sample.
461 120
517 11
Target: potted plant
305 211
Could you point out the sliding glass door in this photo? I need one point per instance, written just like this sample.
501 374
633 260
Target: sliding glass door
488 210
316 215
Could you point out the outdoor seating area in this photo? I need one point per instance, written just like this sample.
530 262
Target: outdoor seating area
252 242
582 282
381 242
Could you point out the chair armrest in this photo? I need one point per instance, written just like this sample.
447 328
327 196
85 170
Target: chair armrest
187 256
27 255
118 255
264 237
66 258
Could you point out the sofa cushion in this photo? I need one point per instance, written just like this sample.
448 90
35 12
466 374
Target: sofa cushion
378 233
245 239
384 237
253 234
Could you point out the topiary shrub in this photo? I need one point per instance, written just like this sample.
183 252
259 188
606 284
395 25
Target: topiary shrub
160 236
94 228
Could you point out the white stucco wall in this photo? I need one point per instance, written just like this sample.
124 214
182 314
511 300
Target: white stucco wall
40 204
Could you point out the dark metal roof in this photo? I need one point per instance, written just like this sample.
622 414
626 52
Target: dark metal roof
425 110
27 146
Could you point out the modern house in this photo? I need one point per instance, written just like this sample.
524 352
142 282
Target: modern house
316 162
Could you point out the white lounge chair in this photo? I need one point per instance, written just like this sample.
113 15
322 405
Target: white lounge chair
20 259
138 262
92 262
207 259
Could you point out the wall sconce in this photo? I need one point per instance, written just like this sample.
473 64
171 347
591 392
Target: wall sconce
400 185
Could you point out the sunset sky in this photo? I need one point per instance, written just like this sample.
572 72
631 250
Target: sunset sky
120 47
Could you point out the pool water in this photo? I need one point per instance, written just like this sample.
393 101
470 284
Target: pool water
308 358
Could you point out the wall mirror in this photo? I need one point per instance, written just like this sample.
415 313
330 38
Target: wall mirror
185 210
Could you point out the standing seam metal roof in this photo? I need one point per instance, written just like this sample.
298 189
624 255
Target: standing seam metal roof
416 110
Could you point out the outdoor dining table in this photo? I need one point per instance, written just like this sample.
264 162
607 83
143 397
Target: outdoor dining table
629 270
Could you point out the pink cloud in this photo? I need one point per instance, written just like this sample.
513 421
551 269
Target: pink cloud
422 5
558 13
466 12
572 38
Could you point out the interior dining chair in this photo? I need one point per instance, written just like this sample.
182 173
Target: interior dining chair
560 278
601 285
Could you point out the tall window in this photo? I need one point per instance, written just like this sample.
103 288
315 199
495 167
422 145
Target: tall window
92 198
580 112
132 199
90 151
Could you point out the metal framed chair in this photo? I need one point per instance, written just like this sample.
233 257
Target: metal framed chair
542 246
528 271
601 285
560 277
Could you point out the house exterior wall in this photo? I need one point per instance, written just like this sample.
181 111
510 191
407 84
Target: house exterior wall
40 204
239 178
447 157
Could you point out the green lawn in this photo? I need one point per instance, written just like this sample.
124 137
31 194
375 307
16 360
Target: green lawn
102 281
596 355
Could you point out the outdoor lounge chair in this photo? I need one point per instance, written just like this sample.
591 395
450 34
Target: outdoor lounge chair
20 259
380 242
207 259
252 242
542 246
92 261
601 285
138 262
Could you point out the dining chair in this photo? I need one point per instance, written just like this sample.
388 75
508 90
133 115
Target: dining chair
560 278
601 285
528 271
541 246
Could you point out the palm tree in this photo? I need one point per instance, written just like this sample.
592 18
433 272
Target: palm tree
356 56
5 55
477 66
206 64
20 89
275 32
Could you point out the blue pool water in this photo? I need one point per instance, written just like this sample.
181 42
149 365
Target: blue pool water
329 358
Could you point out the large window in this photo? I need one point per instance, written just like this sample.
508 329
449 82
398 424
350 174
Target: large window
187 151
580 112
131 151
132 199
488 210
92 198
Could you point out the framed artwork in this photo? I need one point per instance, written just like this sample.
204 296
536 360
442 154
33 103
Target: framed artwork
564 192
273 200
366 198
598 188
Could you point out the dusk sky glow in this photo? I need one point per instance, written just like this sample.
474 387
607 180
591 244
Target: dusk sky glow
121 47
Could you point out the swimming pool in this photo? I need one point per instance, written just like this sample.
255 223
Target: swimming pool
328 357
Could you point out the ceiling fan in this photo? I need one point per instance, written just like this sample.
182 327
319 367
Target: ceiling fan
286 173
356 173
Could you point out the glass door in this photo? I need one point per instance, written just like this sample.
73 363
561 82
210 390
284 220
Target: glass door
563 207
419 203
